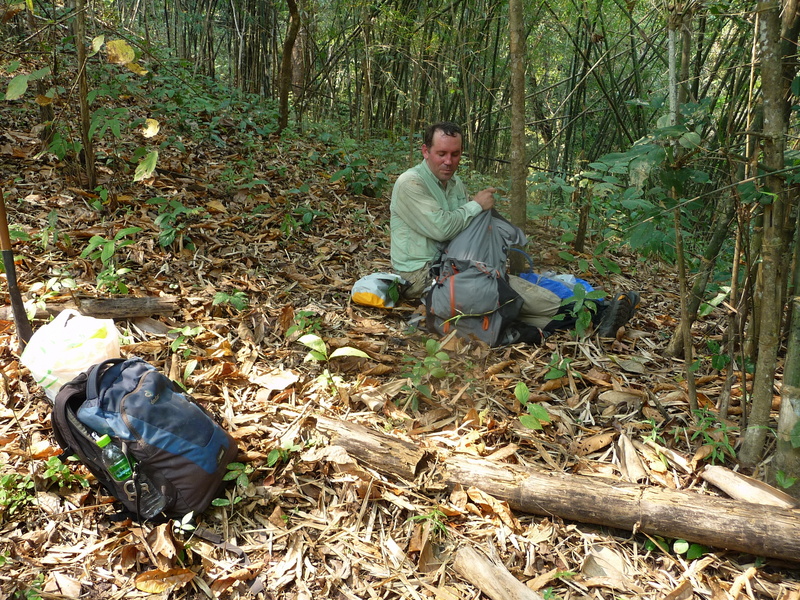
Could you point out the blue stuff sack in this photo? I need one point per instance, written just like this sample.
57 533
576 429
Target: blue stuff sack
561 285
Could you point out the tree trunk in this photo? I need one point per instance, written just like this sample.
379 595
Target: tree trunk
366 74
773 245
83 91
719 236
582 207
519 162
787 454
676 96
286 65
46 113
741 526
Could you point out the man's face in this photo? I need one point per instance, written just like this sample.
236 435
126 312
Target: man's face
443 156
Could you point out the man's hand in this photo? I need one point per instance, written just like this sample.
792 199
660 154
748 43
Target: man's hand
485 198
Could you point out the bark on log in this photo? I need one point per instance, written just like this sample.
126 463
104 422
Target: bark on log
386 454
493 580
108 308
709 520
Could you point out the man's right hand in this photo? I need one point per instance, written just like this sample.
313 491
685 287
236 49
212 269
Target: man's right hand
485 198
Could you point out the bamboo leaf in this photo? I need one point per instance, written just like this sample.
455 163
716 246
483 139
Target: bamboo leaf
127 231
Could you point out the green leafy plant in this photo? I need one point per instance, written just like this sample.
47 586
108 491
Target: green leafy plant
49 234
424 372
559 367
601 263
719 359
690 551
435 518
537 415
106 119
318 352
582 306
106 250
40 292
32 590
61 475
240 474
282 453
318 349
655 434
182 335
783 480
360 180
714 433
549 593
16 491
173 220
62 146
794 435
186 523
305 321
237 299
706 308
300 218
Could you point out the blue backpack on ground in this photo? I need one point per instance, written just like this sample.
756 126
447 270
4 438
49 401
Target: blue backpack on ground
176 451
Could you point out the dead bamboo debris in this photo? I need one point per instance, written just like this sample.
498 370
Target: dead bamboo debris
491 578
757 529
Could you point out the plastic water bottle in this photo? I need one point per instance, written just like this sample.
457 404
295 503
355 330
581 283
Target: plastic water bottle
151 500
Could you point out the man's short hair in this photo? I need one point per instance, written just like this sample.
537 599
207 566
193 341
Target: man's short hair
446 127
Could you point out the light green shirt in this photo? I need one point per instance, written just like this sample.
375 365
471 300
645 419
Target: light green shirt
424 214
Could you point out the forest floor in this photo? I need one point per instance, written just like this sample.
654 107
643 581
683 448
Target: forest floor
310 523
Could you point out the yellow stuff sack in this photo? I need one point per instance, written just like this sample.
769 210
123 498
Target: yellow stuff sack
381 290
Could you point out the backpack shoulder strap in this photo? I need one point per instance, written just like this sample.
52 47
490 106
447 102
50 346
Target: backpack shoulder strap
63 417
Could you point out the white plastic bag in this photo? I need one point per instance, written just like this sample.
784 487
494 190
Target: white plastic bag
68 345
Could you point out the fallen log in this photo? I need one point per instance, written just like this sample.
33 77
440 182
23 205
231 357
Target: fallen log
756 529
125 307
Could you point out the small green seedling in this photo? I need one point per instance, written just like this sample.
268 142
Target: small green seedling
537 415
237 299
437 520
319 349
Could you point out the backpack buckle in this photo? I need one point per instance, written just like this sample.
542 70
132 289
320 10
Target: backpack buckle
130 489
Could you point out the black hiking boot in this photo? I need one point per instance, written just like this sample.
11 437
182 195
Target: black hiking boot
618 312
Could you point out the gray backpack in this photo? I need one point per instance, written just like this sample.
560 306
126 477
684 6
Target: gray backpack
470 291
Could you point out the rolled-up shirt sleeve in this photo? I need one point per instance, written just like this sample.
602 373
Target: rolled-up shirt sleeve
423 214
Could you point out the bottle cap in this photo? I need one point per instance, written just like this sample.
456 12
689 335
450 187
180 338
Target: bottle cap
104 441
